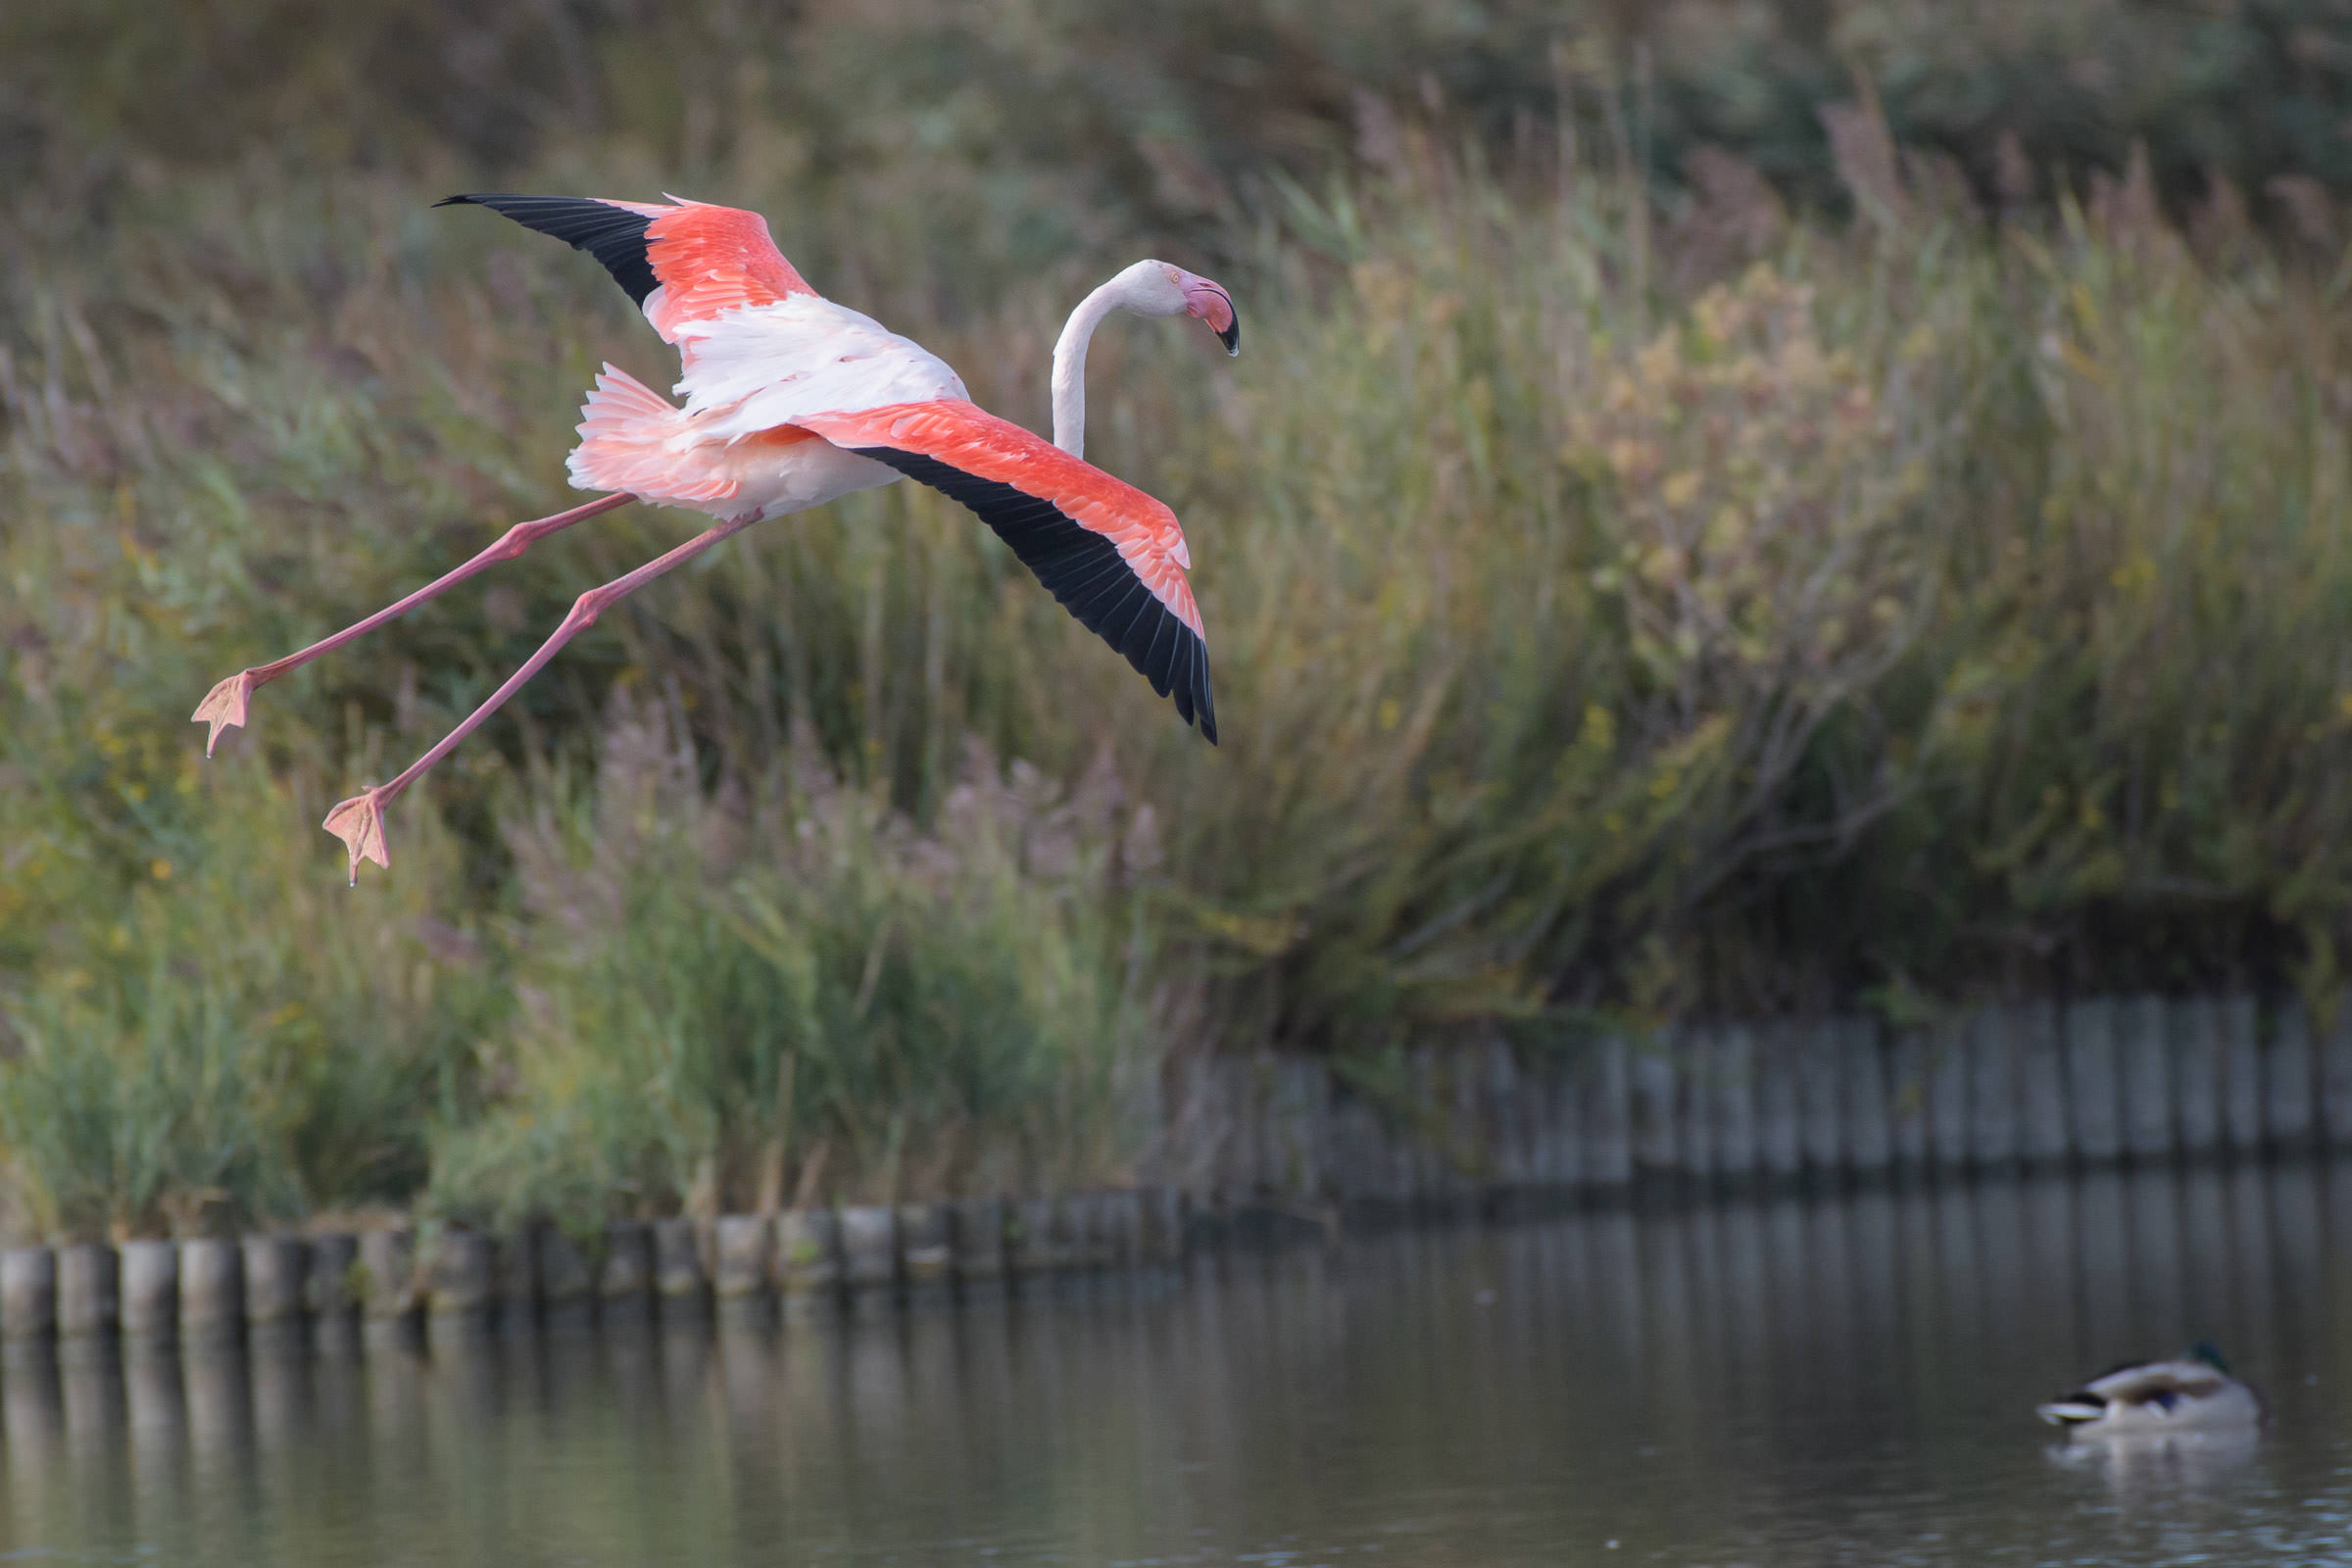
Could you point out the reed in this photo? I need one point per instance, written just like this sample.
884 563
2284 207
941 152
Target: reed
730 999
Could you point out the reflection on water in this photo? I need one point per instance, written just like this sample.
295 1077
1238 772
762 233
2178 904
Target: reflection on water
1784 1383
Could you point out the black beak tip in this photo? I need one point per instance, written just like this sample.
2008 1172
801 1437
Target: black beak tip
1231 337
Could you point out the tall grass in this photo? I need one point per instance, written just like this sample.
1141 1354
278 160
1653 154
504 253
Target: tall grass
225 1040
1661 608
730 999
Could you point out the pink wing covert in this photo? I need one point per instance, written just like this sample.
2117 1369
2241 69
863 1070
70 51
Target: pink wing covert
709 261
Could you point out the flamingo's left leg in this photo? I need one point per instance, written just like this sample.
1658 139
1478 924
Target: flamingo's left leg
224 705
360 821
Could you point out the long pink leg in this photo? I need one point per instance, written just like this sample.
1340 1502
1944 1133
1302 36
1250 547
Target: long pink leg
224 705
360 821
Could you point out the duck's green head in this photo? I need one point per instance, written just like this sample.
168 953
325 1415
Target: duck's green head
2206 1352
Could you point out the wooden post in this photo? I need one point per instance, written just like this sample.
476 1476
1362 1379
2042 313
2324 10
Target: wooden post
2194 1029
1082 1237
1907 1117
1393 1130
328 1285
2044 1141
1466 1165
1082 1232
1214 1086
1779 1106
976 1238
1541 1130
1821 1063
809 1261
514 1279
2335 1075
1297 1128
1608 1116
678 1280
212 1288
1425 1131
1541 1147
742 1258
1732 1093
461 1279
1994 1098
2241 1077
869 1257
2287 1082
1246 1110
2147 1055
1868 1140
89 1291
624 1278
1564 1109
566 1283
926 1255
276 1269
1949 1130
1657 1152
1365 1166
1321 1088
1165 1226
1503 1122
1130 1228
1029 1244
150 1289
2093 1100
1689 1055
389 1260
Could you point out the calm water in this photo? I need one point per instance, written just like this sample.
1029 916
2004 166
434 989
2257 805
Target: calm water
1795 1383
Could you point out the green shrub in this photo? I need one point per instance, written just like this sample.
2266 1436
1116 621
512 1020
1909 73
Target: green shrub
729 998
239 1038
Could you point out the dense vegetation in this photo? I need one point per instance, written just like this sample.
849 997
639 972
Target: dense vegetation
1636 586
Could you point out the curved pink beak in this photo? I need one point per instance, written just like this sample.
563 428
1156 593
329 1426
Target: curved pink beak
1209 302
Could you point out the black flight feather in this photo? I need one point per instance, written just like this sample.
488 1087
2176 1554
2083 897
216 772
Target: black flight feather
613 235
1086 573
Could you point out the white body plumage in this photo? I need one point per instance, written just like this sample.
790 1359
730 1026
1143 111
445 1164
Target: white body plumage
2194 1393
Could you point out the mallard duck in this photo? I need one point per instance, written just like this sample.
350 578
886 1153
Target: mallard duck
2195 1392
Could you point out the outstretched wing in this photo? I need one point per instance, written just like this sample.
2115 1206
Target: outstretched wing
1110 554
682 262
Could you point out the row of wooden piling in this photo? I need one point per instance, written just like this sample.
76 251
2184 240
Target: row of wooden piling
805 1263
2011 1088
1742 1106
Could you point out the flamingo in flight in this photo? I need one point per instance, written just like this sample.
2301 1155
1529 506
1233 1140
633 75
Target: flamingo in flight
793 401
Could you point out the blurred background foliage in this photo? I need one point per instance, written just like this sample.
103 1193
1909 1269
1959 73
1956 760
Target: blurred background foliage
1726 508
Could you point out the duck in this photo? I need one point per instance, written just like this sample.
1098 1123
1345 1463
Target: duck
2192 1394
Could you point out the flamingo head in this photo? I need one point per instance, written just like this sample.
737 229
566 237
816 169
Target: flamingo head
1157 289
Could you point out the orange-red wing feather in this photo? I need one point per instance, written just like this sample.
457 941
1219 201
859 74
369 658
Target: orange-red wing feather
711 259
703 261
1112 556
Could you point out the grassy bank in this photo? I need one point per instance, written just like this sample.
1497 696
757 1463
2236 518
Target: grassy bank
1659 607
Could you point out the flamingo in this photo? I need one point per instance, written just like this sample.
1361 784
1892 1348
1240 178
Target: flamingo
793 401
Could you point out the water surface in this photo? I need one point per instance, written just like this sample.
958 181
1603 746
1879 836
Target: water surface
1799 1382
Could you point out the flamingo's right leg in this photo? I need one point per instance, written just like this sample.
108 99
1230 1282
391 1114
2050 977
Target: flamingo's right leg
360 821
224 705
